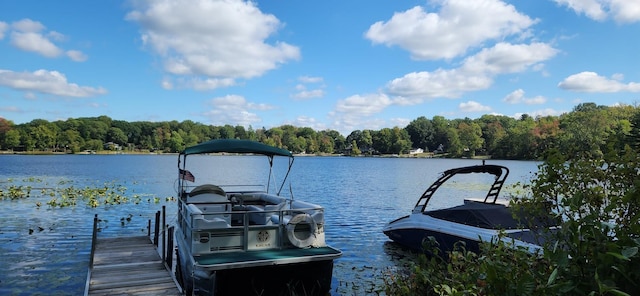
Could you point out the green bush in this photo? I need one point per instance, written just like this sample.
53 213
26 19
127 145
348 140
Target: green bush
594 251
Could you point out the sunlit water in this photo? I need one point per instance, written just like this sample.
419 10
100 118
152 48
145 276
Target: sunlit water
46 250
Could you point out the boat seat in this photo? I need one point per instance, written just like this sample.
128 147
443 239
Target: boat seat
202 220
207 193
257 215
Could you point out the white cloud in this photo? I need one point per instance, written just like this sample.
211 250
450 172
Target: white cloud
235 110
77 55
458 26
517 97
540 113
593 83
215 39
308 94
207 83
400 122
302 93
29 35
509 58
306 121
476 72
35 42
356 112
419 86
622 11
3 28
28 26
473 106
363 105
310 79
47 82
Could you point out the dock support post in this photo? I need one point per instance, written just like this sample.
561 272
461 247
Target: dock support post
157 229
169 259
164 233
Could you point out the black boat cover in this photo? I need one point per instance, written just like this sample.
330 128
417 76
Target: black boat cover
478 214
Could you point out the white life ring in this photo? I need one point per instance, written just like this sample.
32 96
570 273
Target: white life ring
295 238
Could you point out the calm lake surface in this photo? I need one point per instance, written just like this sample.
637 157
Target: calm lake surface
45 250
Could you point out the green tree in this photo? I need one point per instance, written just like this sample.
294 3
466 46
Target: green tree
455 148
44 135
117 136
354 148
440 132
585 130
519 142
176 143
325 143
421 133
470 135
11 139
71 139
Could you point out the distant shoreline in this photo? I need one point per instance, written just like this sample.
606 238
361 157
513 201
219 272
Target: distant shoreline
106 152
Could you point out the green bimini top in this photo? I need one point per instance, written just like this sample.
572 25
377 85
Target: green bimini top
235 146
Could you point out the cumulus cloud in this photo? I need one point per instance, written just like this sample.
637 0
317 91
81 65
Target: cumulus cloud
304 94
3 28
591 82
234 108
307 121
540 113
35 42
215 39
458 26
30 35
356 112
622 11
453 31
207 83
363 105
517 97
418 86
310 79
475 73
509 58
47 82
473 106
77 55
302 91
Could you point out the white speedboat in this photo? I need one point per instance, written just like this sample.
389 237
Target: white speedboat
247 239
471 222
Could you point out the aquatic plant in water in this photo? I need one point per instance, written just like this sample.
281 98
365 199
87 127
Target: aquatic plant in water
65 194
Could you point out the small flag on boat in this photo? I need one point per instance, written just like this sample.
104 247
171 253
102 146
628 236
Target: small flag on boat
187 175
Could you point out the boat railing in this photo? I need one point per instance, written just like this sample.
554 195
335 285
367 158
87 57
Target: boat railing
224 227
186 187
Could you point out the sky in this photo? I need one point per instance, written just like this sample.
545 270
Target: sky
339 65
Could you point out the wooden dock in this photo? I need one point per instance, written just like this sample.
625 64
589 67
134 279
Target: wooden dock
129 266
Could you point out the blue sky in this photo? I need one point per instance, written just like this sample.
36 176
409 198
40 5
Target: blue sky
341 65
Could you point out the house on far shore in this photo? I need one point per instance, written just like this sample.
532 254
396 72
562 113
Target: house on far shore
416 151
112 146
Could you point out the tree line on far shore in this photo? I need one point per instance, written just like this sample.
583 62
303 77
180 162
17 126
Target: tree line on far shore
591 128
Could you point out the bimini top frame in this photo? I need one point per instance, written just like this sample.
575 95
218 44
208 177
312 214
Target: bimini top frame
500 173
234 146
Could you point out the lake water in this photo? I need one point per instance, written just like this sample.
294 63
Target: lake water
45 250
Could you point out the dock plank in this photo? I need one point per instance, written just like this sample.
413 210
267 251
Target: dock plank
129 266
